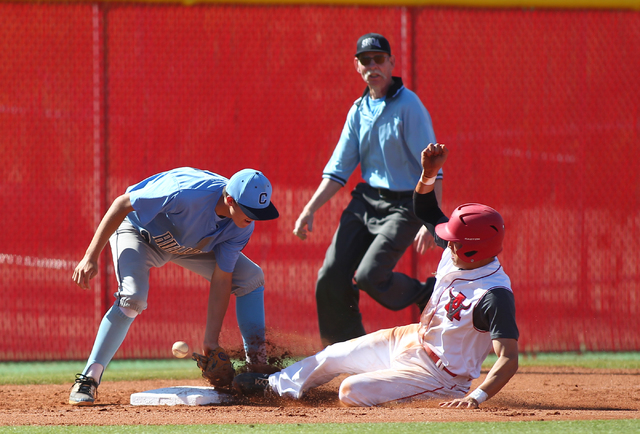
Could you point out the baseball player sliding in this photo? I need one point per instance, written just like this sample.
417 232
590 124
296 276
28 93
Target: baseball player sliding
200 221
470 312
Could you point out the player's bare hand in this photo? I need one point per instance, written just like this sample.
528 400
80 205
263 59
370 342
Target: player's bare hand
463 403
304 224
433 158
423 241
208 347
84 272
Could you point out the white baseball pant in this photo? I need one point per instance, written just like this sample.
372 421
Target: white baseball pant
388 366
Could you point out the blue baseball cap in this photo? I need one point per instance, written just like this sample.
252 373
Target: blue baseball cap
252 192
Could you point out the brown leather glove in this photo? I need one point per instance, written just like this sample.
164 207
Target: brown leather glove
216 367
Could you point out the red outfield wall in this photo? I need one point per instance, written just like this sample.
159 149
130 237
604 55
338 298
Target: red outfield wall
541 110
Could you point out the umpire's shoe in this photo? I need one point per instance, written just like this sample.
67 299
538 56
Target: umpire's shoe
84 391
252 383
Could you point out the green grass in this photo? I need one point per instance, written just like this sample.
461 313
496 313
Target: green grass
590 360
577 427
174 369
64 372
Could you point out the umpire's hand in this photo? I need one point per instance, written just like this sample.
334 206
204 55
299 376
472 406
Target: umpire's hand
304 222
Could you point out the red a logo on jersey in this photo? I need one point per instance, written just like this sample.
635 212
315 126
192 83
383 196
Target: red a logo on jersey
455 305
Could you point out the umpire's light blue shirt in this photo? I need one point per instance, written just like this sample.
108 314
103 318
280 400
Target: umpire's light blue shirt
177 208
387 145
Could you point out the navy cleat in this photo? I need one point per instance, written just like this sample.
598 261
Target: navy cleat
84 391
252 384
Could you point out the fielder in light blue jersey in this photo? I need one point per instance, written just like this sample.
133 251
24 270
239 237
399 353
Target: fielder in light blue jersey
198 220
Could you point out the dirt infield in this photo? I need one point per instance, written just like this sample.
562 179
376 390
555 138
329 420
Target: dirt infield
534 394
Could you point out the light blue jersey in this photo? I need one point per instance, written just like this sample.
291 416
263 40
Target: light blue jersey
177 209
386 138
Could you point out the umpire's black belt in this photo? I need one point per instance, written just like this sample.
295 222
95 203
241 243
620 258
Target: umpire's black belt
393 195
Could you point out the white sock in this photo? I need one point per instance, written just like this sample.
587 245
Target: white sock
95 372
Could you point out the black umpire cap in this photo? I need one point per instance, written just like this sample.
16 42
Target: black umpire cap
373 42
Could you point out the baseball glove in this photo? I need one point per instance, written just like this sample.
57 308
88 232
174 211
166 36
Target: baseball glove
216 367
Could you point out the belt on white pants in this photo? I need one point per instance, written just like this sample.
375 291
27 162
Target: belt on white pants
433 356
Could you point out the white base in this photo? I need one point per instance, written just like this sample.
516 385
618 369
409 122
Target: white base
180 395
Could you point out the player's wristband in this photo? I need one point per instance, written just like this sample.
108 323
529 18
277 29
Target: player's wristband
479 395
430 181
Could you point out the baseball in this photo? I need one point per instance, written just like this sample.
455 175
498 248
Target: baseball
180 349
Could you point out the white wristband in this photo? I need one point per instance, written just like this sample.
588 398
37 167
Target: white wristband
479 395
430 181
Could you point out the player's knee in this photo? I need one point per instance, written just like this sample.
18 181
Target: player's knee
345 395
129 312
370 279
350 394
257 278
247 276
130 306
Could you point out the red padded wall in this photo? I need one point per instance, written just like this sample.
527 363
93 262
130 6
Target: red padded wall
542 112
540 109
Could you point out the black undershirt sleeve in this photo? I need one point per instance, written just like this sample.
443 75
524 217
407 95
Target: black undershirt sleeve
426 208
496 313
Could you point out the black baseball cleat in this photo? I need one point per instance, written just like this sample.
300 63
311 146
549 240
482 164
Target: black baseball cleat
84 391
252 384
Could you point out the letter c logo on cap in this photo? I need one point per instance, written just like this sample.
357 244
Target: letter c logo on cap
263 198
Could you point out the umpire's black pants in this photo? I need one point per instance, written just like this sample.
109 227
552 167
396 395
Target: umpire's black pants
374 231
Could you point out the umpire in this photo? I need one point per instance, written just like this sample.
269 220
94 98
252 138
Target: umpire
385 131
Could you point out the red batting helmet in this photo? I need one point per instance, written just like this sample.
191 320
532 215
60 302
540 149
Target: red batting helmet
478 228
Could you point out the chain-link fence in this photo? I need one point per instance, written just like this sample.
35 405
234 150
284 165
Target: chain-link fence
540 108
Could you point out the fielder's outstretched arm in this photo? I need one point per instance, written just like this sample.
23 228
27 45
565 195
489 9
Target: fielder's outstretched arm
88 266
219 294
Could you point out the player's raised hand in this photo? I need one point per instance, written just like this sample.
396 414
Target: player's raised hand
303 224
84 272
433 158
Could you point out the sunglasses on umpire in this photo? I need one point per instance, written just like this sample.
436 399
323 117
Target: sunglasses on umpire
366 60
